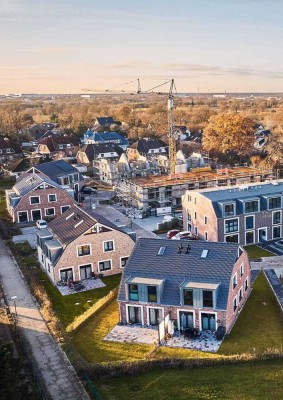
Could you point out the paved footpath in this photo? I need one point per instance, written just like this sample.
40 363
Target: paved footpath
59 376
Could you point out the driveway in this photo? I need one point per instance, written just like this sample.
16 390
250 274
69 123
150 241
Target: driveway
58 375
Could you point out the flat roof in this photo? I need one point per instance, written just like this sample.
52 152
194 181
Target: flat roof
198 176
145 281
199 285
53 244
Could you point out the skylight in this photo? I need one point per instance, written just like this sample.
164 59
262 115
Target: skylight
204 254
161 251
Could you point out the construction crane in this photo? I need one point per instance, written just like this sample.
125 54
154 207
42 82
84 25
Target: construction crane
171 94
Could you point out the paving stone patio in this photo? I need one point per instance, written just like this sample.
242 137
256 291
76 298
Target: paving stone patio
89 284
147 335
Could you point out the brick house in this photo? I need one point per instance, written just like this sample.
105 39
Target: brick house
200 285
35 196
9 150
147 147
247 214
79 245
58 146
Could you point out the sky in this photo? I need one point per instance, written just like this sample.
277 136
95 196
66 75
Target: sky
63 46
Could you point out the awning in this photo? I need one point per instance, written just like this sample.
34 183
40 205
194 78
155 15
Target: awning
145 281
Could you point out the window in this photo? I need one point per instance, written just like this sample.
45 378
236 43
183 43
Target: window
104 265
276 217
152 294
249 237
235 304
49 211
84 250
189 197
242 270
195 215
276 232
124 261
231 225
229 210
196 230
188 297
34 200
108 246
207 298
240 295
246 284
133 292
66 180
205 220
189 216
52 197
195 200
274 202
251 206
250 222
64 208
76 177
235 281
205 236
232 238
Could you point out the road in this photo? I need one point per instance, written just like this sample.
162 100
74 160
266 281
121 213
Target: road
58 375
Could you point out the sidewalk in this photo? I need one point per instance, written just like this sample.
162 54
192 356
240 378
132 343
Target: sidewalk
59 376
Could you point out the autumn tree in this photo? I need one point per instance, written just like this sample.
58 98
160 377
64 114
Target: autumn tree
229 133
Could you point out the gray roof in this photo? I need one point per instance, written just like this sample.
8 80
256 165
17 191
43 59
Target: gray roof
245 192
176 268
29 181
55 169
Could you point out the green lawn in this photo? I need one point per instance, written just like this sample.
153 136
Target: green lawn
257 381
66 307
259 326
257 252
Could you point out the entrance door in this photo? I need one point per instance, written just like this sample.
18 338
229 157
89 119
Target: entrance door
22 216
208 322
65 274
186 320
135 315
35 215
262 234
155 316
85 271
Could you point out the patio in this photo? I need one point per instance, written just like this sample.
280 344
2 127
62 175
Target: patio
206 341
85 284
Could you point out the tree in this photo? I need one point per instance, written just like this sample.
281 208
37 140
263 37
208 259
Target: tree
229 133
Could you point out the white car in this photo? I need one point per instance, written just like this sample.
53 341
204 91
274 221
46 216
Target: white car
185 235
41 224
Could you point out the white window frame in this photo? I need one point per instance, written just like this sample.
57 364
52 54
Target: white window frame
49 208
104 270
229 219
21 212
274 197
121 260
266 231
206 236
248 216
248 201
242 270
67 205
83 255
62 269
147 313
106 241
207 312
241 289
237 304
82 265
235 275
227 204
277 226
232 234
34 204
185 310
36 209
52 201
247 244
134 305
276 211
246 280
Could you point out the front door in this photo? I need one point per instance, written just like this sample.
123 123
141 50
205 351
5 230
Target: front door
262 234
35 215
134 315
66 273
208 322
22 216
85 271
186 320
155 316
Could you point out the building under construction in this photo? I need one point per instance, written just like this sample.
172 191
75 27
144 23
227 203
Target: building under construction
166 191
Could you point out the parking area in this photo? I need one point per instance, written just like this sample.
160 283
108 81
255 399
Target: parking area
28 235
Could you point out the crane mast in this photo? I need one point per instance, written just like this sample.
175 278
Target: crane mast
171 135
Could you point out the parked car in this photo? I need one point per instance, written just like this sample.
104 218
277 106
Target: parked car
41 224
88 190
185 235
172 233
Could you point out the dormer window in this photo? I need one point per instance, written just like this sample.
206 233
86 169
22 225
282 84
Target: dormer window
152 294
229 210
251 206
188 297
133 292
207 298
274 202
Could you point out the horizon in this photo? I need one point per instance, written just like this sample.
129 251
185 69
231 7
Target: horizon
67 45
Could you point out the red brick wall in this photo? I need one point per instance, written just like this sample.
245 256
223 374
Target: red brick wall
123 246
63 199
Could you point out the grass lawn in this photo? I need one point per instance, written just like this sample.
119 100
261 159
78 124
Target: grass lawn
260 324
65 306
257 381
257 252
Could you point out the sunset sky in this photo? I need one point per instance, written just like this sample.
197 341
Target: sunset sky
61 46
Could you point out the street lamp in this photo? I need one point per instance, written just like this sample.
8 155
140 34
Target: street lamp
14 298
